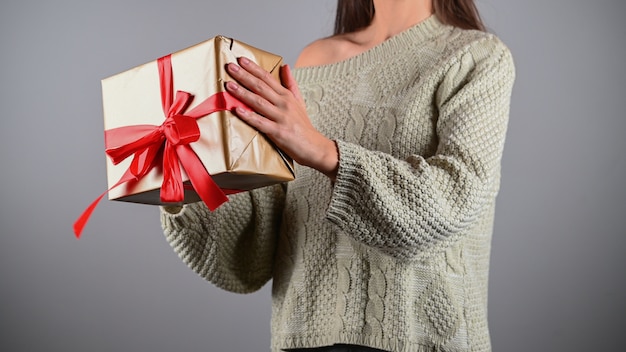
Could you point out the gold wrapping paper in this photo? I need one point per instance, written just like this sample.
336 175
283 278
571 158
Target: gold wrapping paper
236 155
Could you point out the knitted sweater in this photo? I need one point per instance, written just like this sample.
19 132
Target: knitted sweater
395 253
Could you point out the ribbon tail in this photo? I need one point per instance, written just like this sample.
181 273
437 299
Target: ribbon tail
210 193
172 187
82 220
145 160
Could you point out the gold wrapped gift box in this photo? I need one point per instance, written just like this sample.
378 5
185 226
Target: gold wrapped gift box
236 156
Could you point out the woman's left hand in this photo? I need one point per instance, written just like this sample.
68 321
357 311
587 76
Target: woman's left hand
279 112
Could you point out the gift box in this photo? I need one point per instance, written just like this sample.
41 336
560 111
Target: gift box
170 135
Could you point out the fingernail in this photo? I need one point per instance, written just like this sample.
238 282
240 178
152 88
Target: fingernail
232 85
244 60
233 67
240 110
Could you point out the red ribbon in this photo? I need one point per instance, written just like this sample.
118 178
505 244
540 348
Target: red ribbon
145 143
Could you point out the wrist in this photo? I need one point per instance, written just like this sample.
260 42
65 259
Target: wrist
330 160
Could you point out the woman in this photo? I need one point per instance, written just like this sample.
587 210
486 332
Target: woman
382 241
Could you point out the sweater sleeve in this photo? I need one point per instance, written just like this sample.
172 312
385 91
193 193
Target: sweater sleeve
233 246
417 206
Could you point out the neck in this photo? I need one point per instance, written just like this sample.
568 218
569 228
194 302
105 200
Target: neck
395 16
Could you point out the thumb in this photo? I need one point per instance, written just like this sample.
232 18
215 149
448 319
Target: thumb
289 82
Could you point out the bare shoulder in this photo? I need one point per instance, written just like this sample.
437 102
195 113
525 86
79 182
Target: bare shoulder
324 51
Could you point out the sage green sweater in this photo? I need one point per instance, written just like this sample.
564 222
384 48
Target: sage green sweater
395 254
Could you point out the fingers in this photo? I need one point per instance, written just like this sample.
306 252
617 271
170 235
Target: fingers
256 79
255 120
260 73
254 101
258 89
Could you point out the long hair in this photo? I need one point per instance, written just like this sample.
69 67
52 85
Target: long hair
353 15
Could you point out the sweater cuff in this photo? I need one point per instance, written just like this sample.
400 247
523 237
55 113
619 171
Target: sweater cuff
345 190
179 217
171 209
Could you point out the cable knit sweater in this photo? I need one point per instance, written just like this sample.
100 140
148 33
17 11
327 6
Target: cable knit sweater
395 254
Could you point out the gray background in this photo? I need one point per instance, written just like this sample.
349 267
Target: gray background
557 274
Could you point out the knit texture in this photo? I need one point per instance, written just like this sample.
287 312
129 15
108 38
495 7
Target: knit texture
395 253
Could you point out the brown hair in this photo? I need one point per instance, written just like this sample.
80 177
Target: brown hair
353 15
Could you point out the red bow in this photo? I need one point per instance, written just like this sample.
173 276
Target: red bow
179 129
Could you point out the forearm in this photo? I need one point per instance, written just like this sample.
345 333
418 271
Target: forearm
233 246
